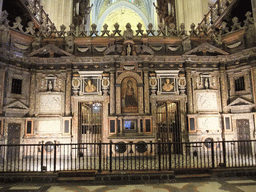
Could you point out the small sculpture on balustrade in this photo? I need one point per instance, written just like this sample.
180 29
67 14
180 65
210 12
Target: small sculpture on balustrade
150 30
249 20
62 31
36 44
94 30
139 31
116 31
236 25
31 28
161 30
182 32
224 28
17 24
105 30
203 29
172 30
193 31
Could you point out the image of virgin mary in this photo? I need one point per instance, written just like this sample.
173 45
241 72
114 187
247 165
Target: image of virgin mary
130 99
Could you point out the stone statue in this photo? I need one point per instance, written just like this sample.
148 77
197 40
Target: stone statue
4 30
50 86
128 33
84 10
36 44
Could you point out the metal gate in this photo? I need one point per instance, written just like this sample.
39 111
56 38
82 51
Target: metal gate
168 124
90 117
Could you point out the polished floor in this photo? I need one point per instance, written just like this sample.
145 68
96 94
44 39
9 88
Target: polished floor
206 185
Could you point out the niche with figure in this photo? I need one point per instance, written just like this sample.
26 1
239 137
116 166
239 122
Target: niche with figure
129 95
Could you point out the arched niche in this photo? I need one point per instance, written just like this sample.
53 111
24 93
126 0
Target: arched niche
139 85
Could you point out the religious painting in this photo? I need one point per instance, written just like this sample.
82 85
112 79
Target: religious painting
168 84
129 95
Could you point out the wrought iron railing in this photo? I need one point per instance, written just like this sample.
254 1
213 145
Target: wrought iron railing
126 156
37 11
217 12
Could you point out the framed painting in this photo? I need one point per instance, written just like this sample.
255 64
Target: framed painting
129 95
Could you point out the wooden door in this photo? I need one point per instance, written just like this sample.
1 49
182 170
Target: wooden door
13 138
243 133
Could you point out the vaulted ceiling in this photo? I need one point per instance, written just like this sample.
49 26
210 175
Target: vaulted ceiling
133 11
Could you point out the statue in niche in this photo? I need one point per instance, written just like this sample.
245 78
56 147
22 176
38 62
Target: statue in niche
168 85
90 87
129 95
50 85
206 83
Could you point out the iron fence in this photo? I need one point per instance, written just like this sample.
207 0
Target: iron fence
126 156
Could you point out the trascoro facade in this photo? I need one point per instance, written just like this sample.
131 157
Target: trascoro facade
170 83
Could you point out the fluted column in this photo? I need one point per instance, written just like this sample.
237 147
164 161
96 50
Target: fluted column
146 91
2 77
224 90
189 91
112 93
32 97
68 94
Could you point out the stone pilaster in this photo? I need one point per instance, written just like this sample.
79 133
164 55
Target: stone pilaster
112 93
32 97
2 77
254 13
224 90
146 92
253 74
189 91
1 7
140 99
118 99
68 94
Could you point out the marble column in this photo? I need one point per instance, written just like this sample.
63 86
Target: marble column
68 94
32 97
224 90
2 77
189 91
112 93
146 92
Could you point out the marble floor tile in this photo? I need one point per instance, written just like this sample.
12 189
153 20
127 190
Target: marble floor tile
177 185
250 188
210 187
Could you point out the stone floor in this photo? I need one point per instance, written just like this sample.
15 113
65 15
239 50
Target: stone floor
205 185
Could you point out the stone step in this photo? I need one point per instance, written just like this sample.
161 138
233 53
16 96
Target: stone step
190 176
77 174
66 179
